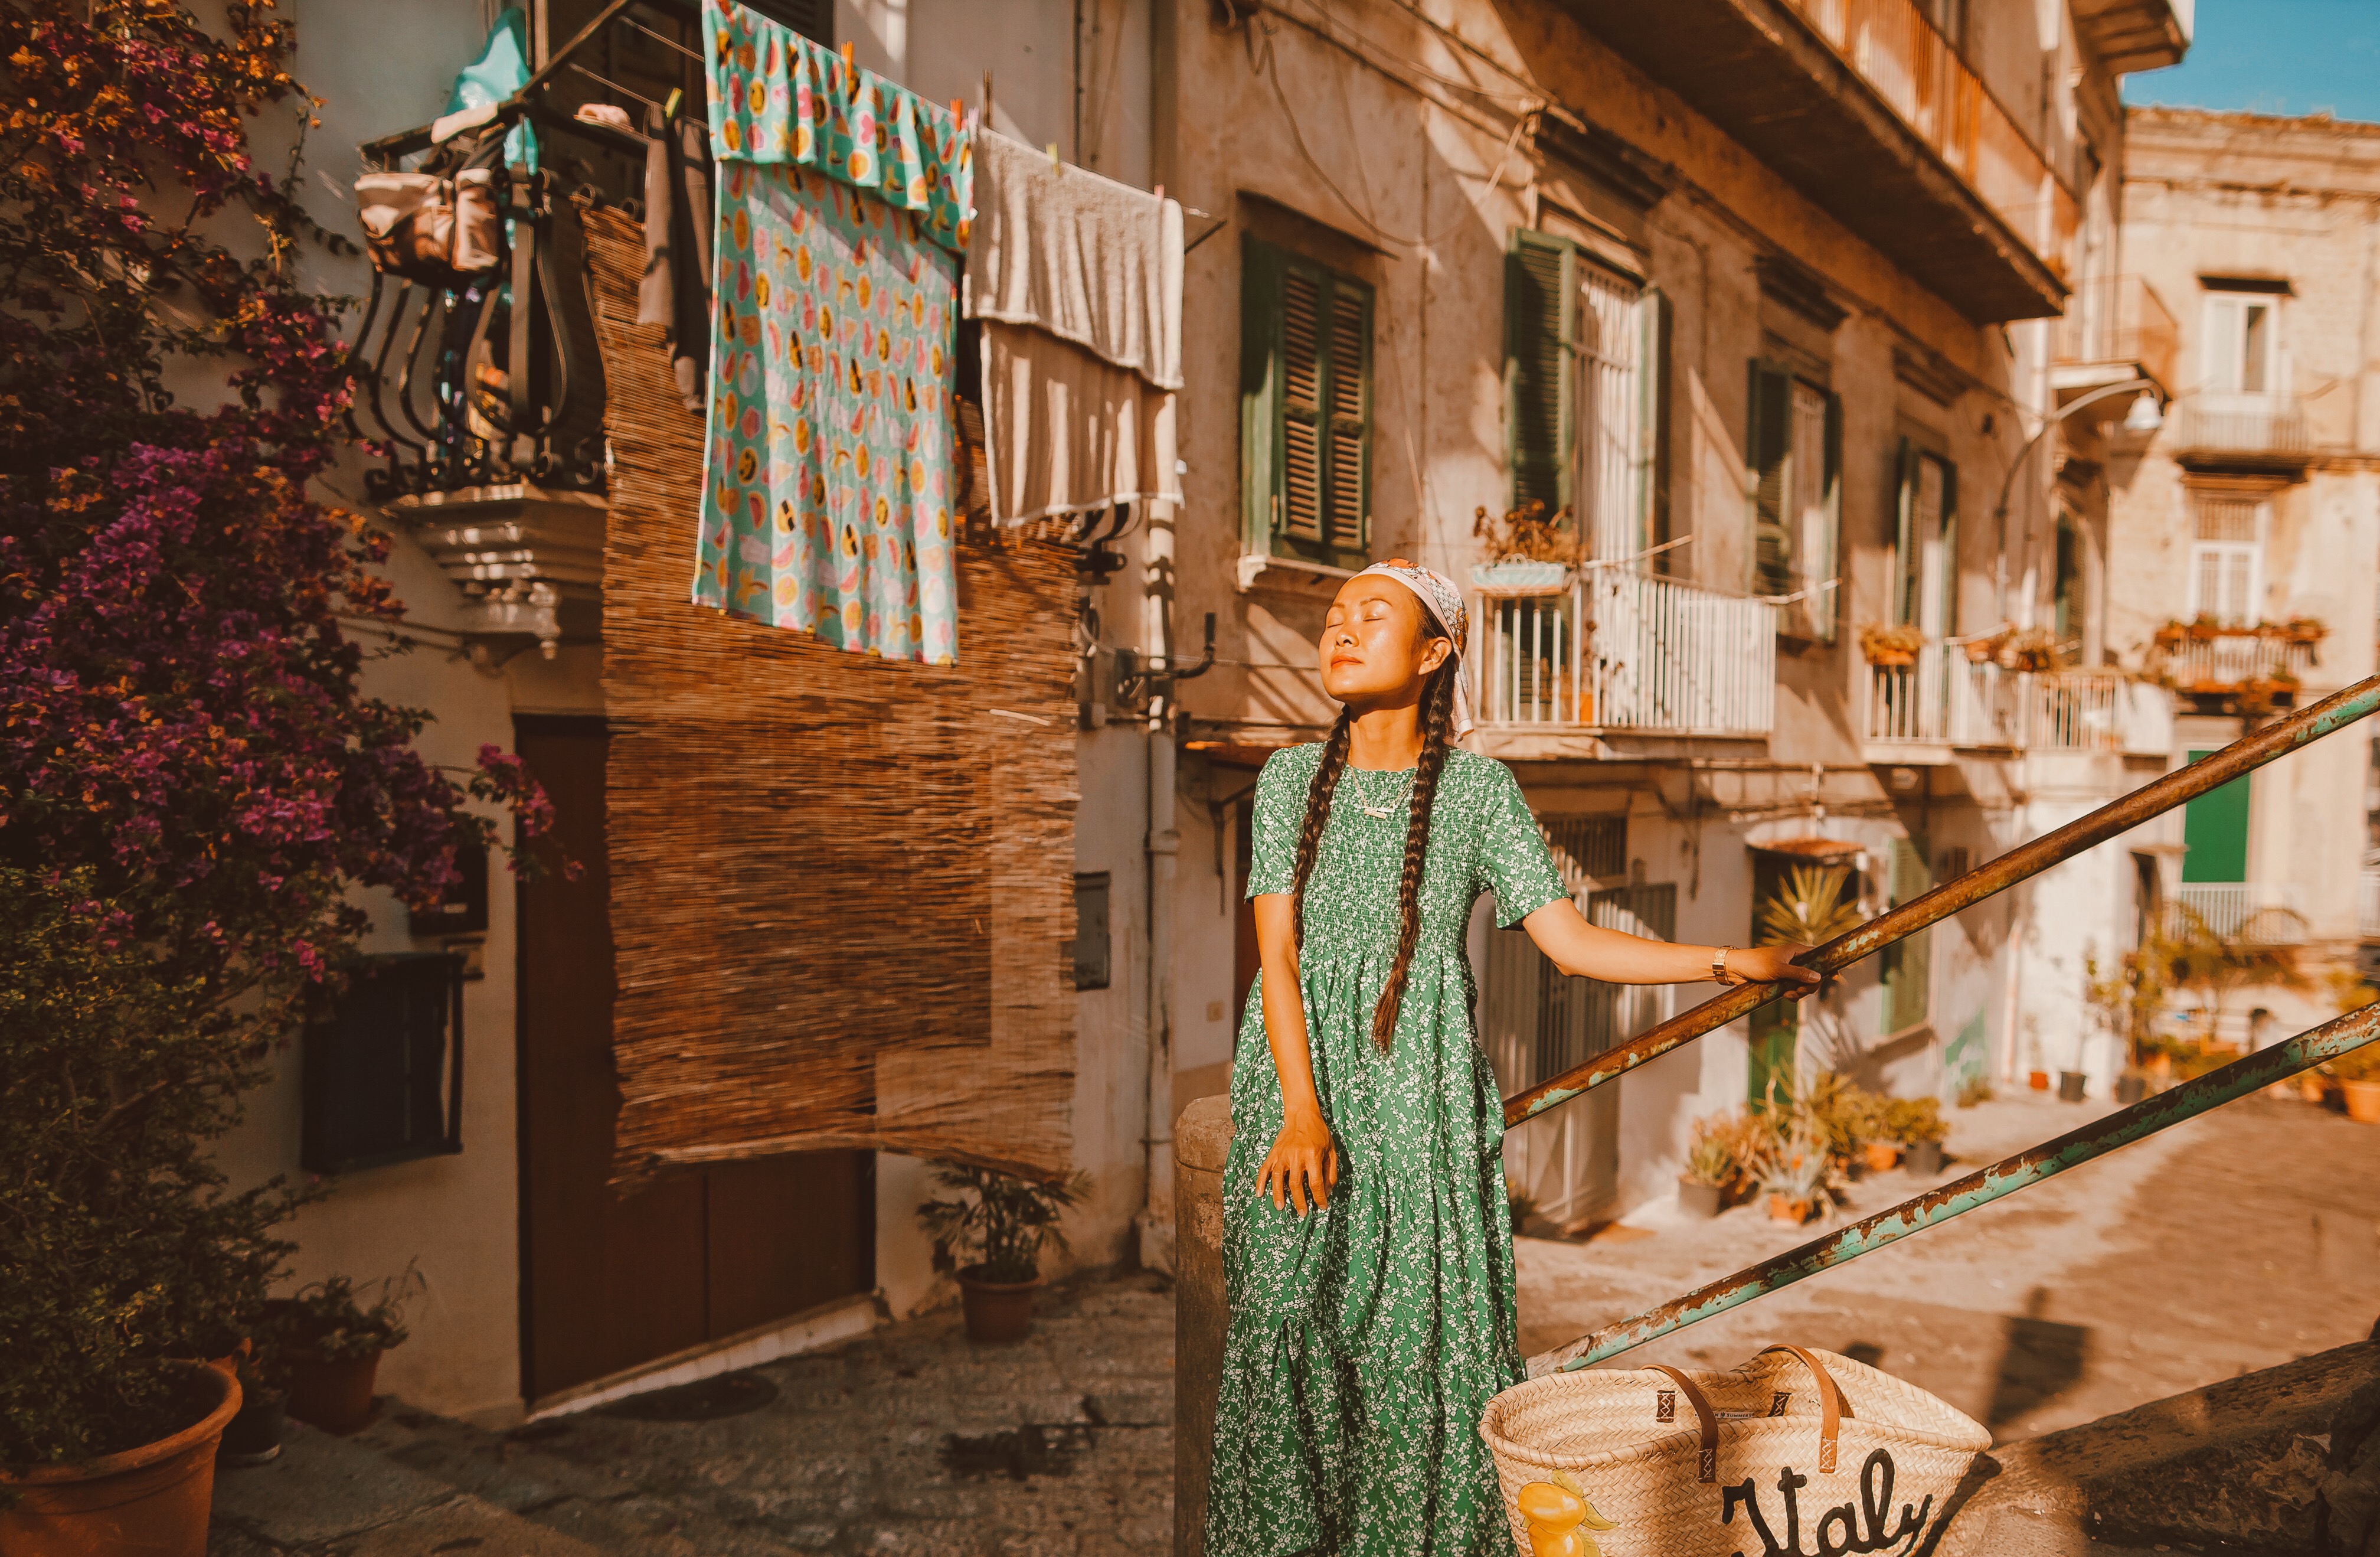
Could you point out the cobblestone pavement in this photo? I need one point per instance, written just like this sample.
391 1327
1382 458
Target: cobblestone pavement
2239 1241
910 1442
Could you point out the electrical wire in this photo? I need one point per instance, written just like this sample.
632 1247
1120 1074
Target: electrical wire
1330 27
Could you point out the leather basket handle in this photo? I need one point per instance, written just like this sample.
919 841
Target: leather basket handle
1830 1402
1705 1417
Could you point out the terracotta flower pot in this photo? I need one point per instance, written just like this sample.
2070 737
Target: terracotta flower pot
152 1501
2314 1087
1700 1200
1890 657
1880 1155
335 1396
1793 1212
2040 1080
997 1312
2362 1101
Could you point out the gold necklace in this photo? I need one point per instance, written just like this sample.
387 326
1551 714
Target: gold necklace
1385 813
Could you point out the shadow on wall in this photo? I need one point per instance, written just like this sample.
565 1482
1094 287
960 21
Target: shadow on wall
2040 1360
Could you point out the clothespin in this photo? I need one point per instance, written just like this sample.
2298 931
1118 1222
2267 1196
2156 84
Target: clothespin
1160 192
850 71
669 109
1054 156
958 115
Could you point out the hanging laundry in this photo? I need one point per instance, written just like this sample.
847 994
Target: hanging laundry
777 97
1067 433
826 495
828 492
1083 257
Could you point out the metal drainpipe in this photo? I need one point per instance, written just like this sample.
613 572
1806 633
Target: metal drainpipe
1164 842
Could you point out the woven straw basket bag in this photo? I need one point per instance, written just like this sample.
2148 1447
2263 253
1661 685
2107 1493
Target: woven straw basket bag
1796 1452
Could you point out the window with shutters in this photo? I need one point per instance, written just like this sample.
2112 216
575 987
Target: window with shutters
1794 457
1925 553
1581 392
2227 559
1908 963
2243 334
1305 408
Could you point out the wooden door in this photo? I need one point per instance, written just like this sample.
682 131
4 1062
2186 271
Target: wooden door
609 1281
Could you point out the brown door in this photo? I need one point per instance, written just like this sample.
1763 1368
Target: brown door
609 1281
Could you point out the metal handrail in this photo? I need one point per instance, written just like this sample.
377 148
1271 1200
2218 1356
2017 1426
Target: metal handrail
2026 860
2143 1119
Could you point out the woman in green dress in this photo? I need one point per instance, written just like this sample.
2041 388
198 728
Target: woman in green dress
1367 1247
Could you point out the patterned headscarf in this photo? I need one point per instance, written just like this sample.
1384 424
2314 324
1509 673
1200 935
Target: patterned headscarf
1441 598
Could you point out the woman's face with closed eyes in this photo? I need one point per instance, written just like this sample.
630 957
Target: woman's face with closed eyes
1373 648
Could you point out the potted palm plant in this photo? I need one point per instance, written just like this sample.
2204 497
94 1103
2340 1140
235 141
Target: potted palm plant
1005 1221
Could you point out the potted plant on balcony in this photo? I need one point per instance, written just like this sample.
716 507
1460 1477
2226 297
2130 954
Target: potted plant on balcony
1528 551
1890 644
2302 629
1985 649
1005 1221
2028 648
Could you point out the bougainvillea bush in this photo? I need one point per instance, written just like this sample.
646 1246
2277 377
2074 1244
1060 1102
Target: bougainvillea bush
191 777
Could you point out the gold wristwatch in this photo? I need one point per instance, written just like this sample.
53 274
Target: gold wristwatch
1719 963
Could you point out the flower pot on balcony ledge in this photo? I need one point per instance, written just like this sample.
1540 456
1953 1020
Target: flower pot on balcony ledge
1520 578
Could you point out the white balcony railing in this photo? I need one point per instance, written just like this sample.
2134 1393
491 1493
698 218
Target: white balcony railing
1619 650
2227 660
1947 699
2263 912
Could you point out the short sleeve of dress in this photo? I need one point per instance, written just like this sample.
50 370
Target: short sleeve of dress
1279 812
1512 852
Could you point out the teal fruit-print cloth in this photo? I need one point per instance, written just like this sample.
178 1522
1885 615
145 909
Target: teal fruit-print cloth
826 504
777 97
1366 1339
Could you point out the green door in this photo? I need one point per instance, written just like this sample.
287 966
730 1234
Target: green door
2215 830
1775 1031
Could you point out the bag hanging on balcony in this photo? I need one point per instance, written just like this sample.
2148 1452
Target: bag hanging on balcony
1796 1450
445 230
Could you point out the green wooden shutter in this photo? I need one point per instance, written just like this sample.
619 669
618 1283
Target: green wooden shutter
1949 549
1261 267
1303 297
1653 419
1823 610
2214 832
1347 459
1907 563
2068 588
1908 962
1768 446
1541 369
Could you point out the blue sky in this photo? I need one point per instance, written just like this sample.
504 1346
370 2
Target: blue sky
2276 56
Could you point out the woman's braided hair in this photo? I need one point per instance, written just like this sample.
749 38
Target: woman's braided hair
1436 723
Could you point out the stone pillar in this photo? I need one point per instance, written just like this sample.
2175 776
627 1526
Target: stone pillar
1201 1137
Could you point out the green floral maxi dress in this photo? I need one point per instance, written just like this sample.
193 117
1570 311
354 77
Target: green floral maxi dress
1366 1339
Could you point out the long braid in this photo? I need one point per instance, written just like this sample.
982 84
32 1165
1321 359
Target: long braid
1438 716
1318 812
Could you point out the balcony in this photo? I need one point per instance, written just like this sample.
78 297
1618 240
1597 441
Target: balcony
1863 107
2251 911
2255 430
2116 329
2255 668
2130 35
1945 702
1617 652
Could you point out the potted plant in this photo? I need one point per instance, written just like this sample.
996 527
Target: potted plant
1005 1221
2358 1074
1527 551
1799 1174
1894 644
2303 629
331 1341
1985 649
253 1435
2028 648
1711 1167
1917 1124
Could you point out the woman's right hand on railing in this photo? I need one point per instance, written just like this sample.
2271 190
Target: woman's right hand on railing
1303 1161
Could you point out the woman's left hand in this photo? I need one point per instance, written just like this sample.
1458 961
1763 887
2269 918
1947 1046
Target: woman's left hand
1772 965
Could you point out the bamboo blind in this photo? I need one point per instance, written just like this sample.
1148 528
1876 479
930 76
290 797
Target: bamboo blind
842 887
